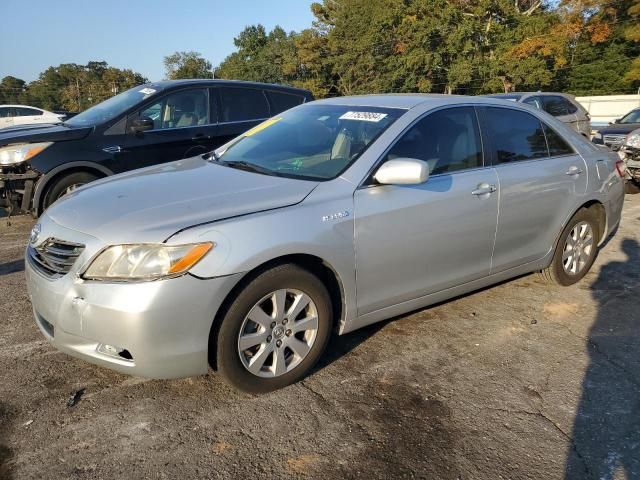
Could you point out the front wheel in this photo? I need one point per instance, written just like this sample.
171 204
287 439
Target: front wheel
66 184
275 330
576 250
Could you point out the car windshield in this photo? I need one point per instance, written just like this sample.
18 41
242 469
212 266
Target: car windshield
631 117
112 107
312 141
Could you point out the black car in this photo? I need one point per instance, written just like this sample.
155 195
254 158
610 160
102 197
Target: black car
149 124
613 135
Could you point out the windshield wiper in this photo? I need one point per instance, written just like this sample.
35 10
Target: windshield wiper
248 167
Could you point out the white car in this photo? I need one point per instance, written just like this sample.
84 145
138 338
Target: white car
11 115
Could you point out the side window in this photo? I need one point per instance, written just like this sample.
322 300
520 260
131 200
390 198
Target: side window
241 104
186 108
557 145
283 101
571 108
27 112
448 140
515 135
533 101
5 112
556 106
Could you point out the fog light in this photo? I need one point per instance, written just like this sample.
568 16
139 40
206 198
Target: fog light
113 351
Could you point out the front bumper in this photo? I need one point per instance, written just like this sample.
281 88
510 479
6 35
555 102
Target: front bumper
16 189
164 325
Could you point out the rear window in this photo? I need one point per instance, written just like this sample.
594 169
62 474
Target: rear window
241 104
556 106
283 101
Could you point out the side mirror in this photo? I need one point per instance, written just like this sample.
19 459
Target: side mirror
402 171
141 124
617 120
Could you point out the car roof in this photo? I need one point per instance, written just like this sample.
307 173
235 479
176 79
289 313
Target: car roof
164 84
410 100
22 106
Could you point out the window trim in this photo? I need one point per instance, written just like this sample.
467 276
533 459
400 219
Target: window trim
368 181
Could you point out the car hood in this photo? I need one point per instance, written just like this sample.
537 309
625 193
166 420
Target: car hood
619 128
42 132
151 204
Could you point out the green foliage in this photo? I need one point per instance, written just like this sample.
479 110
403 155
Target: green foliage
448 46
70 86
186 65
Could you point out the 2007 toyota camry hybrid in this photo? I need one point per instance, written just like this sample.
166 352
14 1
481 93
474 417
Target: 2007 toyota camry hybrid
334 215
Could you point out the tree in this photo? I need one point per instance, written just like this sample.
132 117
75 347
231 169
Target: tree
12 89
186 65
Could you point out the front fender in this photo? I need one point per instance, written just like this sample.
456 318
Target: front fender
43 182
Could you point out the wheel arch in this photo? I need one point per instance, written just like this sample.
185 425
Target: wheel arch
51 176
598 207
316 265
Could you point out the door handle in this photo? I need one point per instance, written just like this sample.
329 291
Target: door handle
201 138
484 189
113 149
573 170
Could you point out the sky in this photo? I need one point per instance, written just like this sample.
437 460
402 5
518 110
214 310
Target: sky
133 34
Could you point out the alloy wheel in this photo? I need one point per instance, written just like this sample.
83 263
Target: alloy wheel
278 333
578 248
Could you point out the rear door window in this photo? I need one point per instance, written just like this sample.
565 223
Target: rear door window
281 101
515 135
5 112
26 112
557 145
243 104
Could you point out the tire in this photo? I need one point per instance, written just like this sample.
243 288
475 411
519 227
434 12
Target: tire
62 184
631 187
557 272
256 297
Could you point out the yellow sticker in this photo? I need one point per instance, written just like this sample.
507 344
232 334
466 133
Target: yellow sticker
262 126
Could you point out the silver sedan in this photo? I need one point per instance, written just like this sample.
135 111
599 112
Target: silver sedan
329 217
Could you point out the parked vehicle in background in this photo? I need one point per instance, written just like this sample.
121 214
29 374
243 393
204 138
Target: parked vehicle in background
12 115
146 125
335 214
560 105
631 154
614 135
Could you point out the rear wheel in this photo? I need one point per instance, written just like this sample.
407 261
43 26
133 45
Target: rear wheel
275 330
66 184
576 250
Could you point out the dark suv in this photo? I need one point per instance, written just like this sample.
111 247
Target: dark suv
147 125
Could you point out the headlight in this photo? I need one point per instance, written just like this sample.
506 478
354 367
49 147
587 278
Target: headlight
633 139
12 154
145 261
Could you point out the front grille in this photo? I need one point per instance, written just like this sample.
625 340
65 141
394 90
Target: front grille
54 258
613 139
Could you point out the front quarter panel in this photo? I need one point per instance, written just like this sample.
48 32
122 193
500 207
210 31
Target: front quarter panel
321 225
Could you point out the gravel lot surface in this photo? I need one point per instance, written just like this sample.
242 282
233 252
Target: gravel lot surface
521 380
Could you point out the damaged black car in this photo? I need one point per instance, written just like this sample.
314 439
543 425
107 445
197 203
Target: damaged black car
147 125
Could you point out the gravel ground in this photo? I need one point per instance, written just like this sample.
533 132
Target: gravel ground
521 380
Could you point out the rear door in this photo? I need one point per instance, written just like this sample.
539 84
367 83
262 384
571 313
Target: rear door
412 240
541 181
25 115
184 126
562 109
240 108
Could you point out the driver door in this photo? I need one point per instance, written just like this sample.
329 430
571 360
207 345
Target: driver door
183 126
413 240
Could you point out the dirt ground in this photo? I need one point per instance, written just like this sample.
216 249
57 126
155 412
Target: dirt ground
521 380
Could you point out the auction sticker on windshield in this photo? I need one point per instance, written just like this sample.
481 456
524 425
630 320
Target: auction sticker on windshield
363 116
